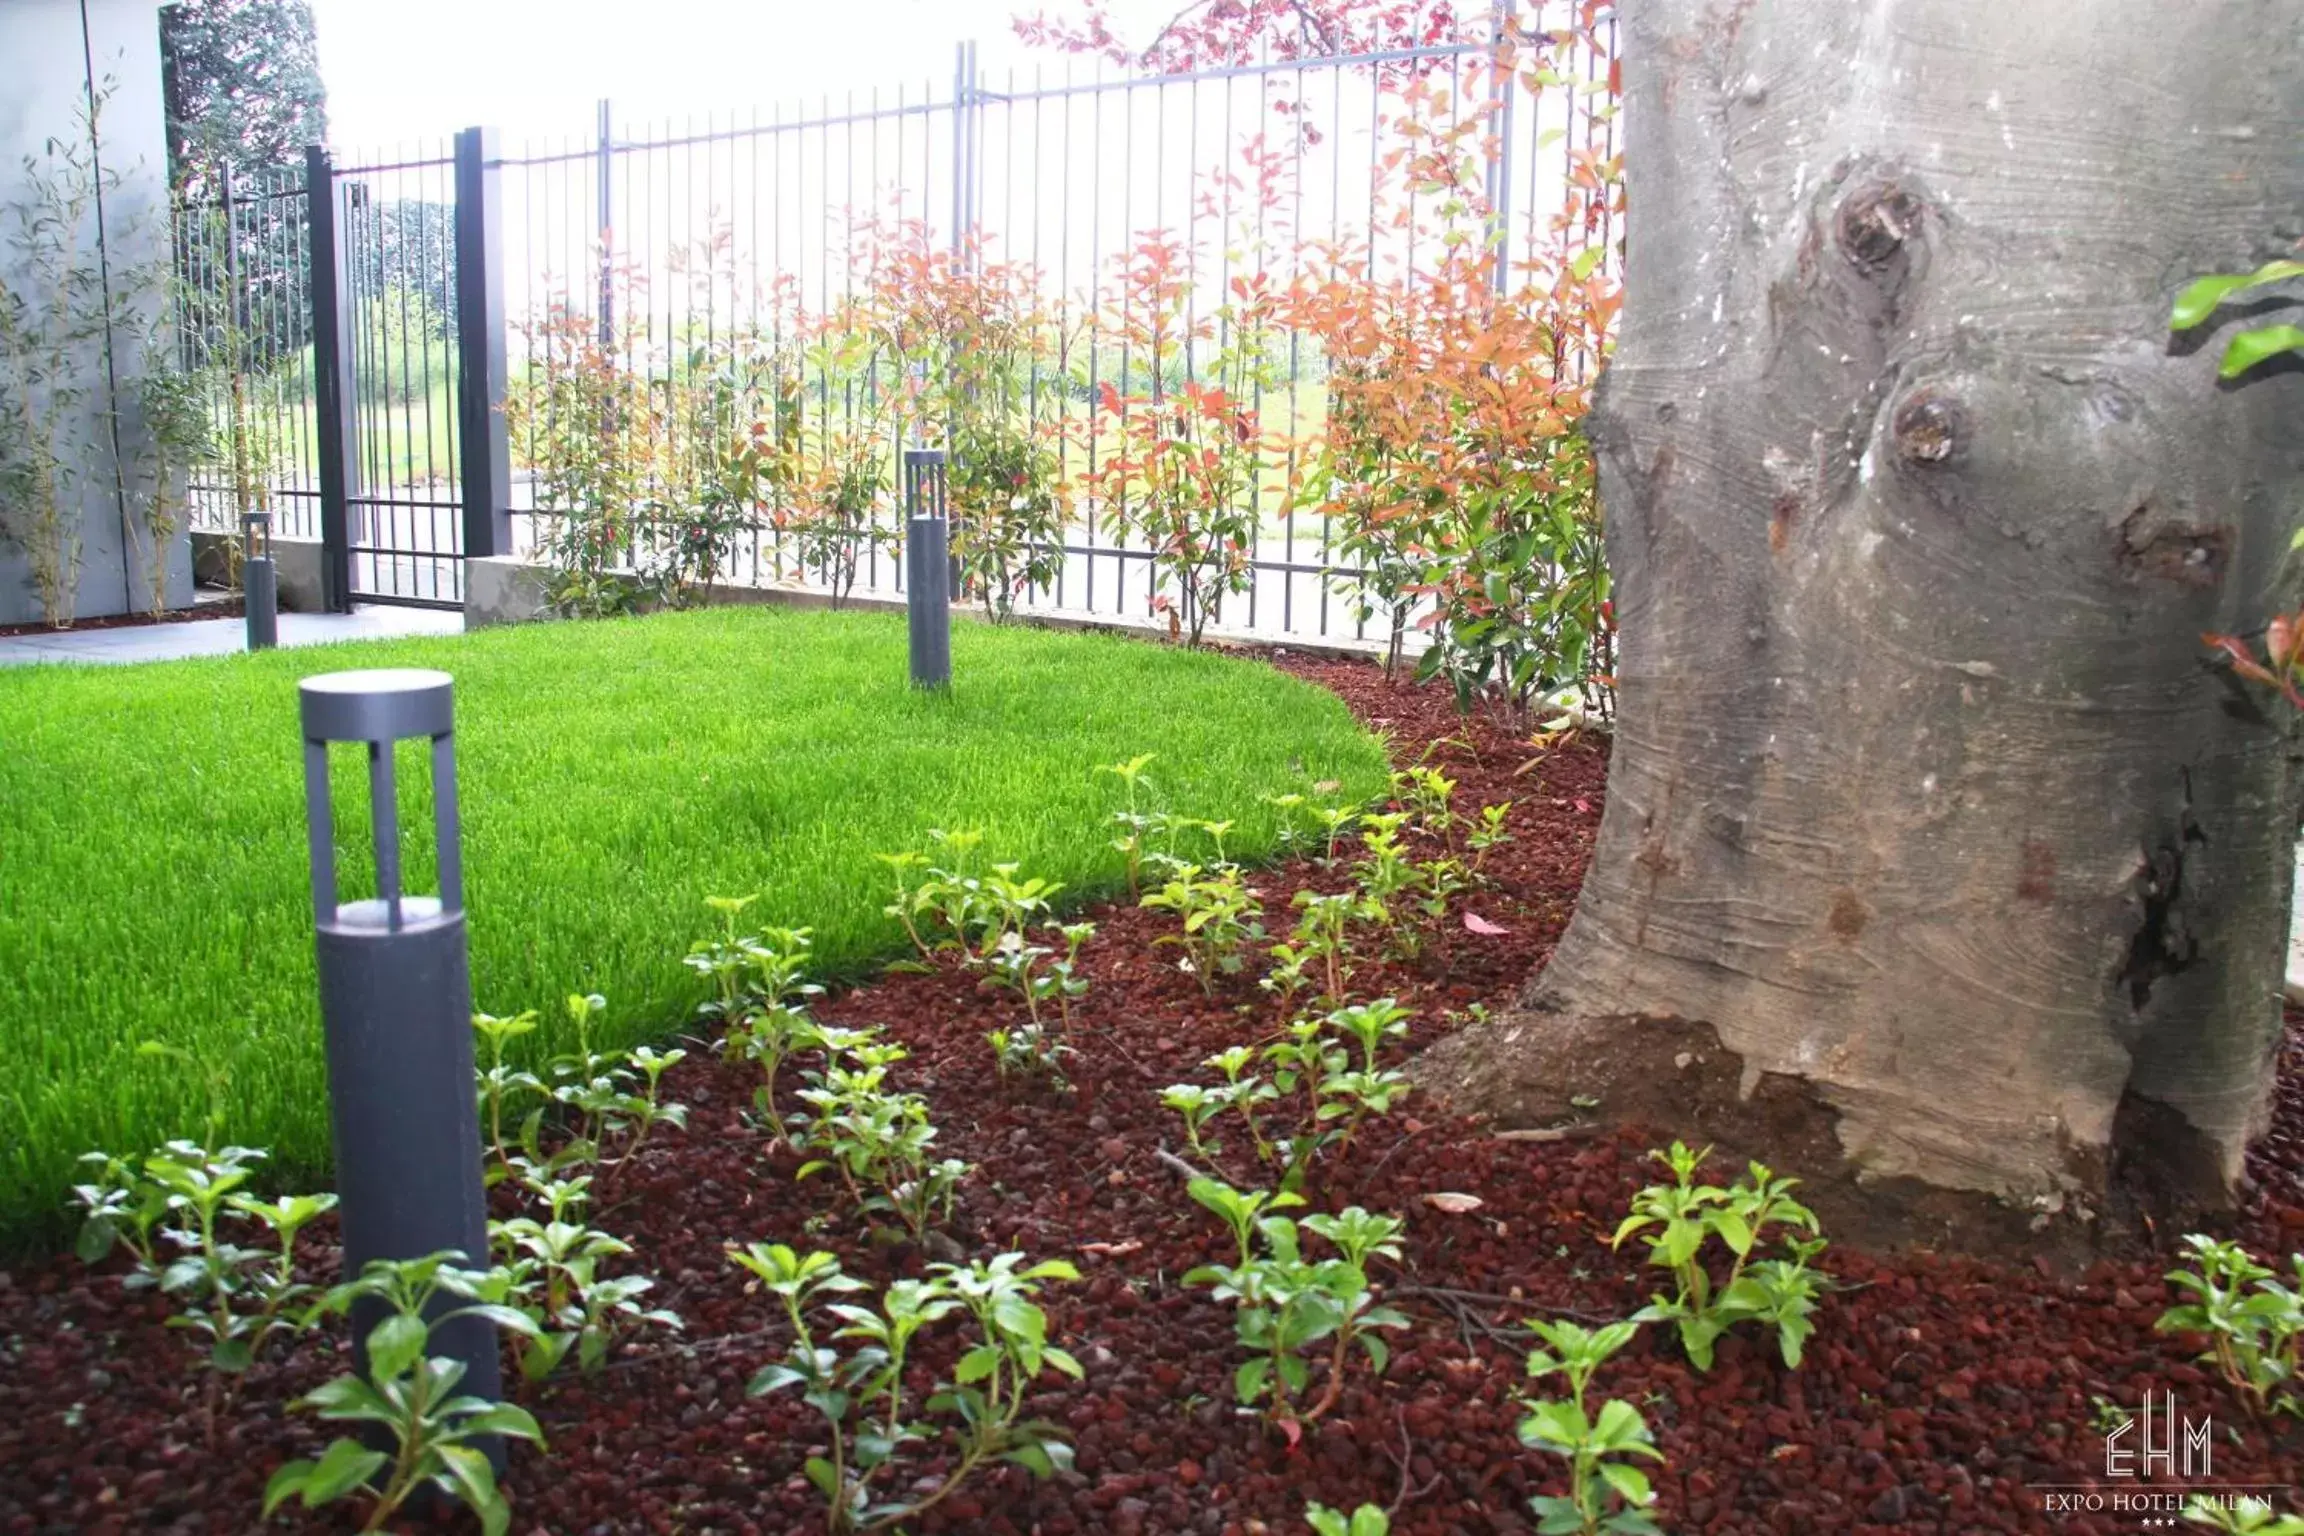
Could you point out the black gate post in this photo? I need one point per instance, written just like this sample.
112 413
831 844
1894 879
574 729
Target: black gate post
484 443
334 394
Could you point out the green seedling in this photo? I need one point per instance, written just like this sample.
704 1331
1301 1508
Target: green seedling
410 1397
2241 1515
861 1392
1489 835
1287 1307
1218 912
1607 1494
1679 1219
1130 818
2253 1323
1367 1520
501 1083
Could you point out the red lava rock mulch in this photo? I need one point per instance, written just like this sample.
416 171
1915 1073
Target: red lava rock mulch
1938 1394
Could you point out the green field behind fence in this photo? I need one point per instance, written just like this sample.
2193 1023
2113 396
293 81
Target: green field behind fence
613 775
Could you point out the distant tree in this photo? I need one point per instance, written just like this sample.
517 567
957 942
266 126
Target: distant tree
408 243
243 87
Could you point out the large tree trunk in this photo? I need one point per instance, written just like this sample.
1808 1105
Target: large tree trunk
1928 816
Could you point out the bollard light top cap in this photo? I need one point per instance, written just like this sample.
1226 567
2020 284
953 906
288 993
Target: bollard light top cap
377 704
377 680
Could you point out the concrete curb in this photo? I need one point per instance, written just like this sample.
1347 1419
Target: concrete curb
510 590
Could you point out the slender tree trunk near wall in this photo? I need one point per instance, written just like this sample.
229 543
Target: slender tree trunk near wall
1936 855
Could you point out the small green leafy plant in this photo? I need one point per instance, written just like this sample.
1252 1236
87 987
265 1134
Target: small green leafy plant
1489 834
2254 1324
502 1083
2240 1515
606 1102
1008 904
1680 1218
1131 817
1219 914
945 902
1031 972
1318 949
863 1396
179 1212
939 896
1392 885
1367 1520
1607 1494
1327 1066
1353 1093
878 1140
760 997
1289 1306
409 1396
1031 1050
551 1270
1428 796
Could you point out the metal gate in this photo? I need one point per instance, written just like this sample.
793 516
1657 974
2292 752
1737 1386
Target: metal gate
393 227
329 304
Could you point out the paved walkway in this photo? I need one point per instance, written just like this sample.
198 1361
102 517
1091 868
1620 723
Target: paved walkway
221 637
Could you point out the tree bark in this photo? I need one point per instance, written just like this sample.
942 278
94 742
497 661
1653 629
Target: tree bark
1927 809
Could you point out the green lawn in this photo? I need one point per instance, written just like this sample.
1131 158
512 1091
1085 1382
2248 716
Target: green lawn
613 775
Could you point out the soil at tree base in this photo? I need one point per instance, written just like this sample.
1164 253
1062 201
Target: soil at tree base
227 609
1939 1394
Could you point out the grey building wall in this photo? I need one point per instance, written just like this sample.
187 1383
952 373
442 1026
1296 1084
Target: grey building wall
44 81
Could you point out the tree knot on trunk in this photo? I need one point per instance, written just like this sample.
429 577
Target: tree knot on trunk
1874 222
2162 549
1929 428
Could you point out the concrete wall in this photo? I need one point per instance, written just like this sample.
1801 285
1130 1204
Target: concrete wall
296 567
43 87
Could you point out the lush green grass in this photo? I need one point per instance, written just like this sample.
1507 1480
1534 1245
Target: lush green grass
613 775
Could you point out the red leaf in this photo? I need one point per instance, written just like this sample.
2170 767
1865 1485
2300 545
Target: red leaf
1475 923
1118 1250
2242 662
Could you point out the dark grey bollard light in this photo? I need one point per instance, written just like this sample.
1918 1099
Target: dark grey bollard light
927 568
396 1003
259 581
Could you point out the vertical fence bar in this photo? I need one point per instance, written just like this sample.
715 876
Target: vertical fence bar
483 439
1502 83
607 225
237 353
334 394
960 170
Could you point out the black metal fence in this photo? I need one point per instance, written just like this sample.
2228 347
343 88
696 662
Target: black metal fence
402 294
244 315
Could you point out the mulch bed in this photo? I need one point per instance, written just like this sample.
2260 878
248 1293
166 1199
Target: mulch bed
227 609
1939 1394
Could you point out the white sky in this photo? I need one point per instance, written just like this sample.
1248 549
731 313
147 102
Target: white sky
399 70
